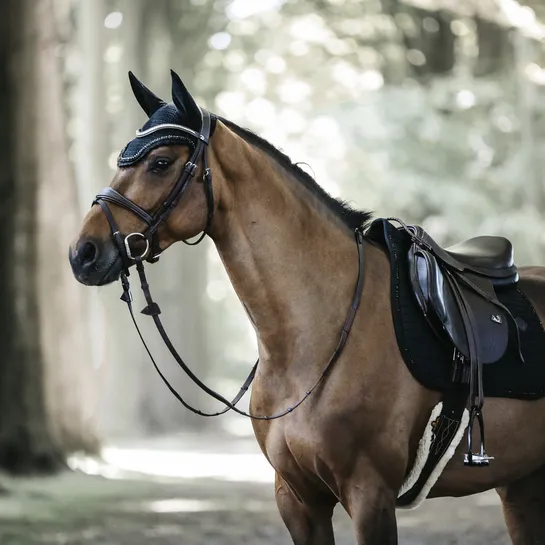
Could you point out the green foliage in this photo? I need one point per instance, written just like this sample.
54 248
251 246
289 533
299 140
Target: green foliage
429 115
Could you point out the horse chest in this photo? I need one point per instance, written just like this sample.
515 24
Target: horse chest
299 452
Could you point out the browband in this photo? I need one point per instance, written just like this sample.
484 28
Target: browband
163 126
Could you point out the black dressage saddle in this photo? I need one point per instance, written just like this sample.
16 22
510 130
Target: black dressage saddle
464 326
456 289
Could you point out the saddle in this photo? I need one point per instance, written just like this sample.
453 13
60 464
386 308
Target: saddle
456 289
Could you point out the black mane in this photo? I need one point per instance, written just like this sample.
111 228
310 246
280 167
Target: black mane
351 217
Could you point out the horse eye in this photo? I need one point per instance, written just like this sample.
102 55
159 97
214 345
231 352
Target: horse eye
160 165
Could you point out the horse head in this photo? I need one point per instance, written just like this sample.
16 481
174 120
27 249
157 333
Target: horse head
161 193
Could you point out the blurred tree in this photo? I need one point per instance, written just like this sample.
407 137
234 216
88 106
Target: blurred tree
46 380
175 35
113 353
400 105
147 38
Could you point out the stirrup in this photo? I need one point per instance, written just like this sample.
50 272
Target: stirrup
471 459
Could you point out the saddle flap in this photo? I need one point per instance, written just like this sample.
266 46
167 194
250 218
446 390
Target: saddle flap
435 297
454 309
488 321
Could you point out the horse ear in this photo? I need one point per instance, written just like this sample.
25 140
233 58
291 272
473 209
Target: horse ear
149 102
185 102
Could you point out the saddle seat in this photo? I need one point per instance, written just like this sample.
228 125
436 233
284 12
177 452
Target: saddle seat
488 256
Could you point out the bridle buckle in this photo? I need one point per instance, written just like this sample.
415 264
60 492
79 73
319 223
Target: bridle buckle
128 246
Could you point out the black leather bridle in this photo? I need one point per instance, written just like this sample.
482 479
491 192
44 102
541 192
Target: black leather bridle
154 220
152 251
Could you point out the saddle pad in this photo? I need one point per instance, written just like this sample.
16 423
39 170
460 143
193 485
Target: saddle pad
442 435
429 358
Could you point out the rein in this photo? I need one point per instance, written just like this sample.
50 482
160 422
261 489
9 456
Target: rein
152 252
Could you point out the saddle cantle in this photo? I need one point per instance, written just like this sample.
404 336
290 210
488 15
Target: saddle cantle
487 256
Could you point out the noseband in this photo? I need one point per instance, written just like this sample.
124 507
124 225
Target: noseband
152 251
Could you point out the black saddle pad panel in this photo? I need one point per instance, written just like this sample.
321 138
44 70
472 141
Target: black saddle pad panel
429 358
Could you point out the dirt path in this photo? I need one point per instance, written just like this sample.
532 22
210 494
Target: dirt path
201 497
82 510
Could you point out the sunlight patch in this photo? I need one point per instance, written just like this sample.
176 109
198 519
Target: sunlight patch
190 465
240 9
178 505
220 40
113 20
192 505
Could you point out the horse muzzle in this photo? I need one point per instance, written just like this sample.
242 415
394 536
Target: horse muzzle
95 262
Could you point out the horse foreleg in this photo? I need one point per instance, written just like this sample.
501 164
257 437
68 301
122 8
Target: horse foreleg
371 507
524 509
307 523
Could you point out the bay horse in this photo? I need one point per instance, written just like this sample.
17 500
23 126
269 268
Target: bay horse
289 250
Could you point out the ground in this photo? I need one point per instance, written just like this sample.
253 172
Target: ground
160 495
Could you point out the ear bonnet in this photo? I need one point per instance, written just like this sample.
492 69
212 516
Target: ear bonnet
175 123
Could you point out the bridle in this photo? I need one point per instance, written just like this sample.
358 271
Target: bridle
152 251
153 221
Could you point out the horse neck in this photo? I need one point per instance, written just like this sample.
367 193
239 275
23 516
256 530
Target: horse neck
292 263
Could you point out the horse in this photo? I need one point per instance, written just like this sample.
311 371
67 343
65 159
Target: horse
290 253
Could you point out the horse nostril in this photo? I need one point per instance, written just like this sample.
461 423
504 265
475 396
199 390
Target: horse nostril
88 253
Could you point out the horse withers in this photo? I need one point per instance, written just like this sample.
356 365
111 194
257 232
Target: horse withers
290 253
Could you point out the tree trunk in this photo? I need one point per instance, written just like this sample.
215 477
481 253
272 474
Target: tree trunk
496 53
46 380
116 415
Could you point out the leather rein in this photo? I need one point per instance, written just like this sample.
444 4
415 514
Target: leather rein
151 254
